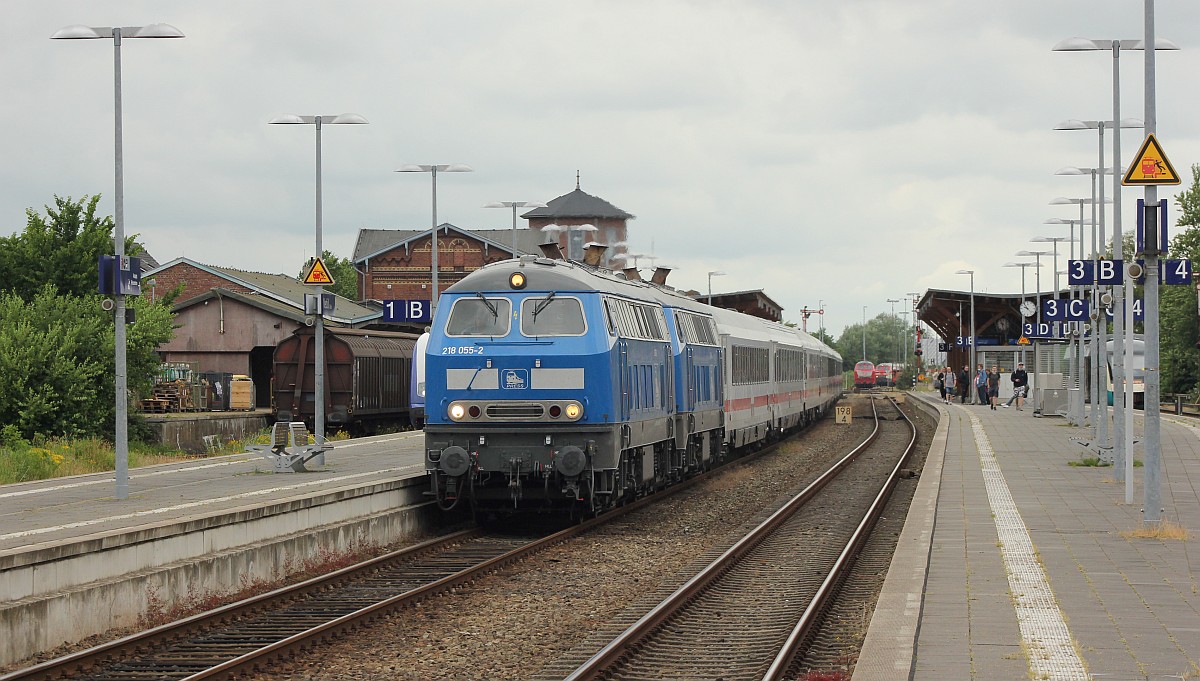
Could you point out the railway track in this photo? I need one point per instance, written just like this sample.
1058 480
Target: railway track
737 618
256 633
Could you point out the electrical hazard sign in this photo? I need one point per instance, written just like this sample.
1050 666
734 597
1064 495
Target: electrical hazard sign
1150 166
317 274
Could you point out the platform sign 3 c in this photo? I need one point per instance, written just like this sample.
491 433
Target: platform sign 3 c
317 274
843 415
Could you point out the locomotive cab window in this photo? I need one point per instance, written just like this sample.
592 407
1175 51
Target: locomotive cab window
479 317
552 316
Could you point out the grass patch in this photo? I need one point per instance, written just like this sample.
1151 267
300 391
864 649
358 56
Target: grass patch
22 461
1089 462
45 458
1164 529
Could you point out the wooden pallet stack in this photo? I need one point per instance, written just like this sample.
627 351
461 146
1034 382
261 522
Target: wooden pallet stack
173 396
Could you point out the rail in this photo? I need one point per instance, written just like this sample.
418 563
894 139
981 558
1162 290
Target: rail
611 654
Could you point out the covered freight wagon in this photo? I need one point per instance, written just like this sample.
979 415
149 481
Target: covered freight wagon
367 377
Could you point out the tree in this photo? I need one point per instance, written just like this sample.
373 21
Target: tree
60 249
885 334
345 277
56 361
1177 304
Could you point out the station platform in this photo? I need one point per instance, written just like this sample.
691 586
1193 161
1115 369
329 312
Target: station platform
1014 564
75 560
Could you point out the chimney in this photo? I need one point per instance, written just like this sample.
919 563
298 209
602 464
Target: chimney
551 250
594 254
660 275
631 274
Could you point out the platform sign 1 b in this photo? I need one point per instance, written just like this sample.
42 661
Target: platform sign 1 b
401 311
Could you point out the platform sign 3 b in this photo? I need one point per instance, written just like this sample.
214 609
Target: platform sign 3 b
843 415
1098 272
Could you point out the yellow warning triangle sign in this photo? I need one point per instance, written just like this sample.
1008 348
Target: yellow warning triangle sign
1022 341
317 274
1150 166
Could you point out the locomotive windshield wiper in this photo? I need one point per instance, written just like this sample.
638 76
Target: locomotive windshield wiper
490 305
542 305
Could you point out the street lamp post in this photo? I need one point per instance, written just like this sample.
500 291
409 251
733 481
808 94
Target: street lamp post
1075 412
864 333
1100 332
710 276
916 296
514 205
319 344
433 170
1023 266
120 370
1122 411
1094 391
893 301
974 361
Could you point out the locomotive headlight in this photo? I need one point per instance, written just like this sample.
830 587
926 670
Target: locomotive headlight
516 280
457 411
574 410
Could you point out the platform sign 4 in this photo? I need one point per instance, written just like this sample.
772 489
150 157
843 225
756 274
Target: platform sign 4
1139 313
1171 272
843 414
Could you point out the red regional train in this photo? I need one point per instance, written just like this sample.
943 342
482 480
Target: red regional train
864 376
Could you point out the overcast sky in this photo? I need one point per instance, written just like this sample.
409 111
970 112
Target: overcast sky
846 152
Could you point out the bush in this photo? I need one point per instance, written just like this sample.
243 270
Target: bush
56 362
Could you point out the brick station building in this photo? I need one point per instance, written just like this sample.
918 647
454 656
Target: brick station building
395 264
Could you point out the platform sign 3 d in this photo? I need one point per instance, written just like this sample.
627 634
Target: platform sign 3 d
843 414
402 311
317 274
1150 166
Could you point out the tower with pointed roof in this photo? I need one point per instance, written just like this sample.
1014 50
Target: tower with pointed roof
577 218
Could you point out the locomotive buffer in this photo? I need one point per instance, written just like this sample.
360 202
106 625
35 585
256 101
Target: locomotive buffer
287 459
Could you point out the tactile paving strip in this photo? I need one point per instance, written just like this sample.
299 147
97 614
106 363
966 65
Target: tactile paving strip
1044 632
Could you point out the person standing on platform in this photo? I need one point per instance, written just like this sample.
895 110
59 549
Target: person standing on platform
951 386
964 384
1020 380
993 386
981 381
939 384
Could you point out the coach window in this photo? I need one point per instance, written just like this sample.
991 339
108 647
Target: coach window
552 316
479 317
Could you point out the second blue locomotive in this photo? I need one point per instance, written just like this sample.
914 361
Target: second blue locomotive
556 384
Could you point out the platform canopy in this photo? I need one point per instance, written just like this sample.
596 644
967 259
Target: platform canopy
997 315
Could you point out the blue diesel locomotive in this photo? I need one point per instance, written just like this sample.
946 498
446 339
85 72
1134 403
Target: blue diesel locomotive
554 384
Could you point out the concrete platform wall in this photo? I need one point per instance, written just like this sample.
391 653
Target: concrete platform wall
64 594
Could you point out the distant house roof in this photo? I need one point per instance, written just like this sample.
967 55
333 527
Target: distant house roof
372 242
263 303
284 289
578 204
